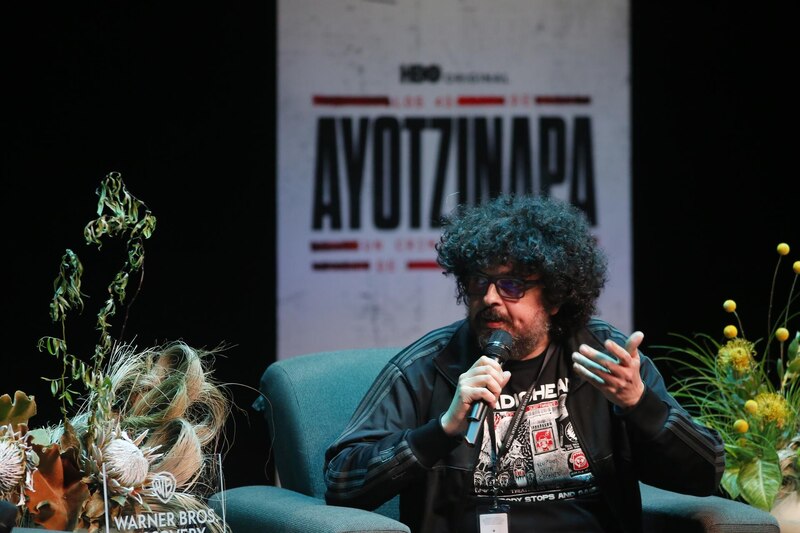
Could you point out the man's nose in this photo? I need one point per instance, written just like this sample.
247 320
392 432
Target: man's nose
492 295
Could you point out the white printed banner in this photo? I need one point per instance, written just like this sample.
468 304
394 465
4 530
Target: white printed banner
392 113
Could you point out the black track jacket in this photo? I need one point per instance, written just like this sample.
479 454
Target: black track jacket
394 443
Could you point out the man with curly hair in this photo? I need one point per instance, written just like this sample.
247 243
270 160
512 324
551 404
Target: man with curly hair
576 414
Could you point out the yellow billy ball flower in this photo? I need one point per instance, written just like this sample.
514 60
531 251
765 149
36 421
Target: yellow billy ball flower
773 407
730 331
751 406
736 354
781 334
796 267
729 306
741 426
783 248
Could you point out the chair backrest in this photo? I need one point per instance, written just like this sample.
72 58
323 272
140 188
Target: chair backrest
307 402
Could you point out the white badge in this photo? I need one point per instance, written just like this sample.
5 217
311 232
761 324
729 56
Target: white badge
493 523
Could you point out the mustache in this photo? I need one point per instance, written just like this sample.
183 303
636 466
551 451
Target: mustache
491 316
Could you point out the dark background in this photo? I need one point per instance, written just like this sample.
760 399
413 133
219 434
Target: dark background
180 98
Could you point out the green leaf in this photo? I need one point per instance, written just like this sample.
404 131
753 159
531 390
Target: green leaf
794 346
730 482
759 481
52 345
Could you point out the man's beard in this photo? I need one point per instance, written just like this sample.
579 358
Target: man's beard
523 343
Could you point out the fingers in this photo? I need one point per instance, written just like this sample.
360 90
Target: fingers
583 369
484 361
624 355
615 373
589 368
483 382
594 360
600 363
633 343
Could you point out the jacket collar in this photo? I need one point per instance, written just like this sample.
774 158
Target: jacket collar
458 355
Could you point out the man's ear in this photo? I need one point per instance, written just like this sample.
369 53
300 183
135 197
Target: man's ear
554 310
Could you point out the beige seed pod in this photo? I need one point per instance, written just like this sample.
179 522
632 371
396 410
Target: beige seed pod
12 466
125 462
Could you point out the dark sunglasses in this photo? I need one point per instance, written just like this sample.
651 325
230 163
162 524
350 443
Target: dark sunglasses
507 288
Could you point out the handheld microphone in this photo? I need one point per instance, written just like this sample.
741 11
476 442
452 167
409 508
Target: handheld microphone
498 348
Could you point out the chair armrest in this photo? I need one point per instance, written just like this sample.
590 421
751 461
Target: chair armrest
260 508
669 512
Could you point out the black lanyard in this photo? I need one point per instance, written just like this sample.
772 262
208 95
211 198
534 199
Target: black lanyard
494 454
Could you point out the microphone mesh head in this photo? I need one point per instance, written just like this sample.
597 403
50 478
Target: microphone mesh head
499 344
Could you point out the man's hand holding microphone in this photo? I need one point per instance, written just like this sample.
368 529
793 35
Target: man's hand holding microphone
477 388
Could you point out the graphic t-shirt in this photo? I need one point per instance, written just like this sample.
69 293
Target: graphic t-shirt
543 475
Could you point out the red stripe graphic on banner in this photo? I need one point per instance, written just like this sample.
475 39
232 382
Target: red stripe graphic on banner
321 99
555 99
423 265
321 246
361 265
481 100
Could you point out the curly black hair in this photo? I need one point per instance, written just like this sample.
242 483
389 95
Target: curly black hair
534 235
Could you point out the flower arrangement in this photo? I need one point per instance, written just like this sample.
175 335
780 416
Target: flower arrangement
138 427
748 391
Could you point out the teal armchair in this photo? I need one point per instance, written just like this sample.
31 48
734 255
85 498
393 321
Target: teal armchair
307 401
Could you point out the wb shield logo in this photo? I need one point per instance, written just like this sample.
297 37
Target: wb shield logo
162 486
